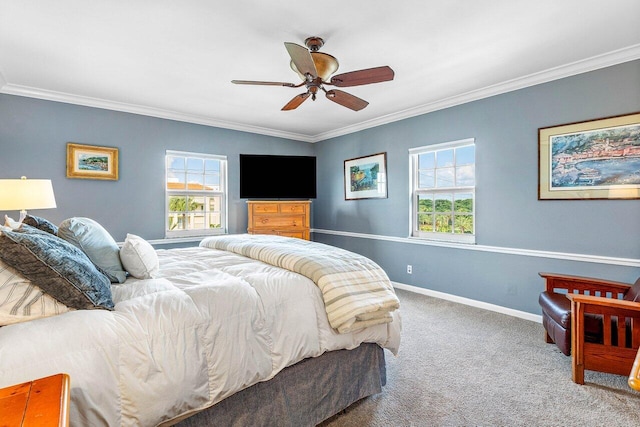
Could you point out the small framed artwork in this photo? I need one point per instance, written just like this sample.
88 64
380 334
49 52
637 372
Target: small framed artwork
366 177
92 162
596 159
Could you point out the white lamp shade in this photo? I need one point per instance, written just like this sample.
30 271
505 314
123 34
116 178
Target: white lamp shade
23 194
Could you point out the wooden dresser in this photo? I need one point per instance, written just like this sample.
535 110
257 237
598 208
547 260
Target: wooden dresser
284 218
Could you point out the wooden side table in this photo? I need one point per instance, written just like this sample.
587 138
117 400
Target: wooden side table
43 402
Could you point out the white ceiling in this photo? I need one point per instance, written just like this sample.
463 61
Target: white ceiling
176 59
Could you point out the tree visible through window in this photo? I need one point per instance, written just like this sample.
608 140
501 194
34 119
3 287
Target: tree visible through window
195 194
443 191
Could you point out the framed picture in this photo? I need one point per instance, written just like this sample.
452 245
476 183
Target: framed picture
596 159
92 162
366 177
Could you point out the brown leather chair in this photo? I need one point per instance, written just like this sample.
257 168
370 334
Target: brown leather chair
556 307
609 324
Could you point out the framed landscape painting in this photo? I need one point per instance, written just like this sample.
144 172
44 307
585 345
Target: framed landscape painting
366 177
597 159
92 162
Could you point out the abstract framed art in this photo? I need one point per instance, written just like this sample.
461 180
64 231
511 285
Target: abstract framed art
366 177
92 162
595 159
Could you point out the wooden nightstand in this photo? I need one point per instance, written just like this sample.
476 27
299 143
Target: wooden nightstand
43 402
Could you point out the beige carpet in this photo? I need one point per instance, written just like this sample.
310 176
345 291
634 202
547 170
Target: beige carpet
464 366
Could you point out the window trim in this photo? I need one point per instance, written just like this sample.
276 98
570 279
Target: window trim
413 194
223 193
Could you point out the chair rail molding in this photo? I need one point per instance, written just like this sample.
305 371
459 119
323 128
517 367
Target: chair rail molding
625 262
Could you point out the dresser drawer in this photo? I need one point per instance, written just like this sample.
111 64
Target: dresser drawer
265 208
291 208
278 221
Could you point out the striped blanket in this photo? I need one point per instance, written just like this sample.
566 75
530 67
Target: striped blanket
357 293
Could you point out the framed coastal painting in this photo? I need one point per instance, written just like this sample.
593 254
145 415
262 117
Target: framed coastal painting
366 177
596 159
92 162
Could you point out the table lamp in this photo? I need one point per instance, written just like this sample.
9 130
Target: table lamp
22 194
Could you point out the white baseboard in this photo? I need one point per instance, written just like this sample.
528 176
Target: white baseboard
466 301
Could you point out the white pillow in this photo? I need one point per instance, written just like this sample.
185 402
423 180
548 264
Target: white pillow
139 258
21 300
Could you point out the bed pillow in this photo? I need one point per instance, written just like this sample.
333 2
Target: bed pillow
139 258
57 267
97 243
40 224
21 300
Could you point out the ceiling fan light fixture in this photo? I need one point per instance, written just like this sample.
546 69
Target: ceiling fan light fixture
325 64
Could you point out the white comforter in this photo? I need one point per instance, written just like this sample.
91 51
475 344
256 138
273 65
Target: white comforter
356 291
214 323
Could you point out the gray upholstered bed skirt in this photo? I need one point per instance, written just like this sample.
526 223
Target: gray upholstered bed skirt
304 394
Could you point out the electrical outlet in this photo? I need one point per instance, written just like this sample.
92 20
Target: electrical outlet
409 269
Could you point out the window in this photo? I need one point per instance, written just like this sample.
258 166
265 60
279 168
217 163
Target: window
196 194
443 191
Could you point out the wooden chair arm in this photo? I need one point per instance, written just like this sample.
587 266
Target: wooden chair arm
581 284
607 303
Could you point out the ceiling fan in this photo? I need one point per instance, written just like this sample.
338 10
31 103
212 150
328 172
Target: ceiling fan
315 69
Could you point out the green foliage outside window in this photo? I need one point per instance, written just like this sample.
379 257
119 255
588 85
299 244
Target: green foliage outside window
443 216
179 208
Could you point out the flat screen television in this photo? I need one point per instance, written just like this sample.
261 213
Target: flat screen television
265 176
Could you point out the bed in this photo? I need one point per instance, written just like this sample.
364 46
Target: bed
241 330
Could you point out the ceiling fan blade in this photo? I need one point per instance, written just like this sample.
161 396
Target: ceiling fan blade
363 77
302 59
347 100
296 101
252 82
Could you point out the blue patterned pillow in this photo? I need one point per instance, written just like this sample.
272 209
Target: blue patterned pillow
40 224
57 267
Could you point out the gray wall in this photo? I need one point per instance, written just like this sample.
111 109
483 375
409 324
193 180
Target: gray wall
33 138
34 133
509 216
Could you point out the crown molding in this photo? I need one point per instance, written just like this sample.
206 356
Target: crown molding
594 63
30 92
620 56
